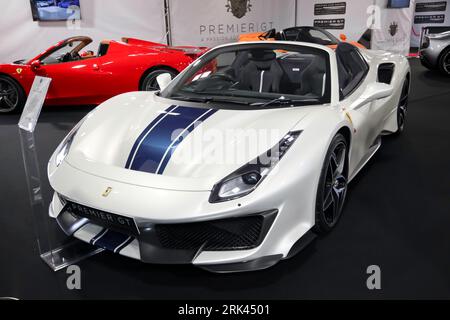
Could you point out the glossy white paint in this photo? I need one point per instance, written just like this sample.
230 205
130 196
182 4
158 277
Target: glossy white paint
100 149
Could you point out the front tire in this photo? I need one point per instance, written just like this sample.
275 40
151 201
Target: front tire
12 95
332 188
444 62
149 82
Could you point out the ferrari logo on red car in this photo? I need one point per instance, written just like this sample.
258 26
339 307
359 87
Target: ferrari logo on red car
19 70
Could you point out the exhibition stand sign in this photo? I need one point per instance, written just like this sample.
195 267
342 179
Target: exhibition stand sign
352 18
211 23
34 103
56 249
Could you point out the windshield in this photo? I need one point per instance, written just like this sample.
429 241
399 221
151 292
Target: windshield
259 74
61 54
309 34
322 37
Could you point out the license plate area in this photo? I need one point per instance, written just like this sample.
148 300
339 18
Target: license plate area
108 220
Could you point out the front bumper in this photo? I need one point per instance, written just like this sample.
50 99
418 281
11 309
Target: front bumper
160 244
150 206
429 57
426 62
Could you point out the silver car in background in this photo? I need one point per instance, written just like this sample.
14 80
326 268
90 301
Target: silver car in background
434 51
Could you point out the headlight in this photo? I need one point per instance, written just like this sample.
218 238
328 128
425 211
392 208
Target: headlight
247 178
64 147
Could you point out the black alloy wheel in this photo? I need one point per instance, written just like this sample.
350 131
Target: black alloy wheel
402 108
150 83
332 186
444 62
12 97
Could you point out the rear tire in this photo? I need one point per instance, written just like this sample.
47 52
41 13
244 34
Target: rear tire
444 62
332 188
402 108
149 82
12 95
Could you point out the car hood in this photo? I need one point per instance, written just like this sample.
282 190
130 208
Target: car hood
147 140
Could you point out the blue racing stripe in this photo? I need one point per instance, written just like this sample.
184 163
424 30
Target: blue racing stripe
152 124
179 139
154 148
112 240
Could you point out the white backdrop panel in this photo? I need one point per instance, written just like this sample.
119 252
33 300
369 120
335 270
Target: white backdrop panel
212 22
21 37
394 33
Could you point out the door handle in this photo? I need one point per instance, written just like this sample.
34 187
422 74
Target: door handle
95 67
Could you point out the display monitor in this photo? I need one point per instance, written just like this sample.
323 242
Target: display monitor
55 10
398 3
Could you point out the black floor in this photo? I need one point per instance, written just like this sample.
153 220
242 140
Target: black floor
397 216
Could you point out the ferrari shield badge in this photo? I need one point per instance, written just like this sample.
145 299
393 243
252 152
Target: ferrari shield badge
107 192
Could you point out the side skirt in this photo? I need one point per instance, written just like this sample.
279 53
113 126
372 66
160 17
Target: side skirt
372 150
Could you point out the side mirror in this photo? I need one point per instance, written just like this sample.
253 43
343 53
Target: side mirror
343 37
35 65
373 92
163 80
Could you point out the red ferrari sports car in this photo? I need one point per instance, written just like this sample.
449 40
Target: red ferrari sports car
82 77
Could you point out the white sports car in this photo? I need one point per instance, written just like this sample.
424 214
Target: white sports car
237 163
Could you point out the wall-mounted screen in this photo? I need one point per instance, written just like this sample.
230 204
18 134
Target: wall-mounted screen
55 10
398 3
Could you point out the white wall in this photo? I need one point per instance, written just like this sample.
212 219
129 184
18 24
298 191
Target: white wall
211 22
398 42
21 37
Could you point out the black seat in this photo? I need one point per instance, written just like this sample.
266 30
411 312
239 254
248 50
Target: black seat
262 73
102 49
313 78
239 63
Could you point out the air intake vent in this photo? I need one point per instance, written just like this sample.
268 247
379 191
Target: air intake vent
218 235
385 72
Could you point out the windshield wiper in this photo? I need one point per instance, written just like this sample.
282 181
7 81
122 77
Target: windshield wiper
282 101
209 99
193 99
215 99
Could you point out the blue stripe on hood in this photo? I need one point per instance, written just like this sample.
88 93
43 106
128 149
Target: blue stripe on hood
154 147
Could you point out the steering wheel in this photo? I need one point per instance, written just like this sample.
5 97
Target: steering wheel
223 76
75 56
66 57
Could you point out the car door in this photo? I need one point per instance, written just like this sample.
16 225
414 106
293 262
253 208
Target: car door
74 79
366 119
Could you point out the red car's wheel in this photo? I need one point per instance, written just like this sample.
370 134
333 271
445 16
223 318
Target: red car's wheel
149 82
12 96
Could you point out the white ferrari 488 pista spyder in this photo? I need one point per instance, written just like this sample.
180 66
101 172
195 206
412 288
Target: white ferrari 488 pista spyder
235 164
